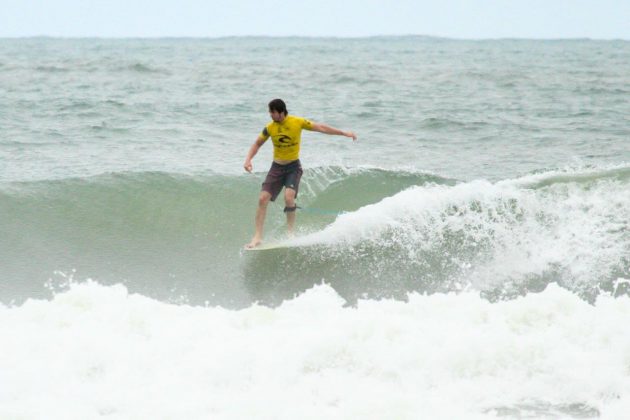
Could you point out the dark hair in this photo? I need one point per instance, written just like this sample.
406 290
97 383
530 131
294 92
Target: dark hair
278 105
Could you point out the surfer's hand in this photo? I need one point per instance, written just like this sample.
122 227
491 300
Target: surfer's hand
350 134
248 166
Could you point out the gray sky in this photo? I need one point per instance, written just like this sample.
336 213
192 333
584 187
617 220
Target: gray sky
599 19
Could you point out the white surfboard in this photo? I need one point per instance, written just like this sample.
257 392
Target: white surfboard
269 246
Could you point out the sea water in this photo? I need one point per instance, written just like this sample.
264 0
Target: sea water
467 257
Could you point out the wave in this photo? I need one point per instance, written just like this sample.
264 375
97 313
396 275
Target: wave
368 231
142 68
52 69
152 228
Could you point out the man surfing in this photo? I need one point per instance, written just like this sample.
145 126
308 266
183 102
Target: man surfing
286 170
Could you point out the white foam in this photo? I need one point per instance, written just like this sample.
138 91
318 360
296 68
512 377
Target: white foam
576 227
97 351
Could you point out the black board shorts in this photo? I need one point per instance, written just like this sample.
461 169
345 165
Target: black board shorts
282 176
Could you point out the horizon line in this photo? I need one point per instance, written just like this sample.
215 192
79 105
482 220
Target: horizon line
347 37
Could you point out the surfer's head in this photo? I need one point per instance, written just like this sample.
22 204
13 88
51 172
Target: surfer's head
278 110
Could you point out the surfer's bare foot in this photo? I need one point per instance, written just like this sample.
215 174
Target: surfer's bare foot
254 243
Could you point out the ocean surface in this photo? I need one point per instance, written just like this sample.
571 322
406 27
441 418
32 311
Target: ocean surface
467 257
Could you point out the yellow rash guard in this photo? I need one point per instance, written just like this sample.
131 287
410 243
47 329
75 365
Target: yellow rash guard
286 136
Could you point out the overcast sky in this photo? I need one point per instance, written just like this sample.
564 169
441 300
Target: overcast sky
601 19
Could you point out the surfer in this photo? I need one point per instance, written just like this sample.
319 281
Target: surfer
286 170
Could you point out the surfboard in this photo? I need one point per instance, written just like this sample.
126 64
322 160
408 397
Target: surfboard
269 246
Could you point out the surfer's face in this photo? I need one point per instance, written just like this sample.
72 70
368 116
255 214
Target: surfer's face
276 116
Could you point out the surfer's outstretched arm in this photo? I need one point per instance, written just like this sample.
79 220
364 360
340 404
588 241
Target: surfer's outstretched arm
326 129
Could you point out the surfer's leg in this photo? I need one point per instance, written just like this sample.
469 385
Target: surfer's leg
291 185
289 202
270 190
261 212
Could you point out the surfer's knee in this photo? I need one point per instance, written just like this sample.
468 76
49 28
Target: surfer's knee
264 199
289 197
